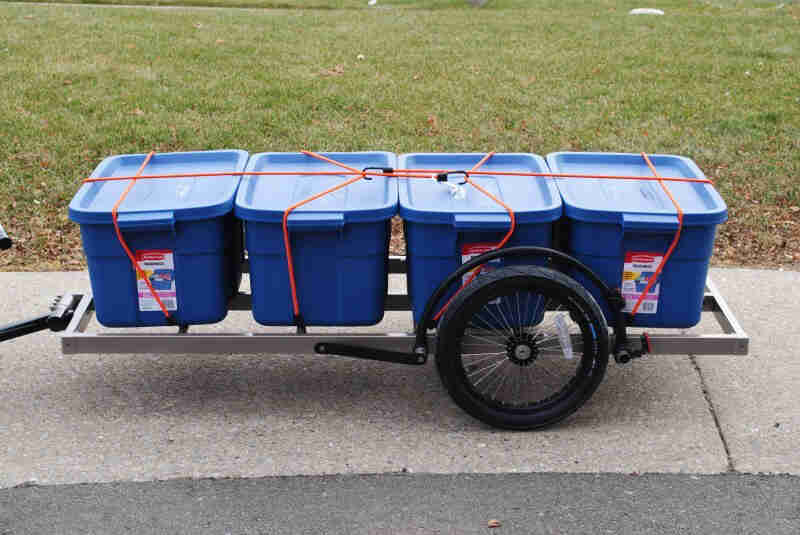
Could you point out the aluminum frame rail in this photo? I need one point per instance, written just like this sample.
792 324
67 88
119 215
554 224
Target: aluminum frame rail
74 340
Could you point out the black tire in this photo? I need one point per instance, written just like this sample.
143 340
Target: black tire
496 312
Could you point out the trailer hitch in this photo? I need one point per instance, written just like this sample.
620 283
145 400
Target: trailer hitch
61 312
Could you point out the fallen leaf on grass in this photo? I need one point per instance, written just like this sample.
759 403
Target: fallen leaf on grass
137 111
336 71
67 82
433 125
220 41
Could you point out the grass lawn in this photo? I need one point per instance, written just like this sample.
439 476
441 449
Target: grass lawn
290 4
717 81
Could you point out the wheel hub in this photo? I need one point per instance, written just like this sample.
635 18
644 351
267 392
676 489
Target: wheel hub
521 349
522 352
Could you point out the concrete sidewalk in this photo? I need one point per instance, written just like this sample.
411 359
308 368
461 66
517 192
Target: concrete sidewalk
98 418
757 398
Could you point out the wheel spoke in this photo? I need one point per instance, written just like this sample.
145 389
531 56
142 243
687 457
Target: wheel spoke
499 323
557 354
503 303
517 324
553 345
554 339
500 385
517 381
499 378
477 355
531 377
549 340
535 308
491 369
483 357
487 326
551 322
487 340
526 307
500 311
545 370
539 307
486 372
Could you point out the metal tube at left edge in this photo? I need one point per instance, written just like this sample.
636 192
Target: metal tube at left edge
5 241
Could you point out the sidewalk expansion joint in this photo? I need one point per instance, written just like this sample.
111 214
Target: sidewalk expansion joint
713 412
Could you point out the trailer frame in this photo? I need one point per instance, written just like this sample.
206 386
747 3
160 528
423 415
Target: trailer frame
732 340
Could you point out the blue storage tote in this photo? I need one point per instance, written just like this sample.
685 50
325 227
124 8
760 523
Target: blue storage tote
446 226
181 230
622 228
339 242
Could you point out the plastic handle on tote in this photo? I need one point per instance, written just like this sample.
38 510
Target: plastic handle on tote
311 222
649 223
141 221
481 221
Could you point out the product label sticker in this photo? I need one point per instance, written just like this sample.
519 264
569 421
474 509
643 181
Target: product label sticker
159 268
636 273
471 250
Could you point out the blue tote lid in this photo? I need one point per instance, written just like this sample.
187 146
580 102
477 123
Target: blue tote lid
533 199
265 198
160 202
635 203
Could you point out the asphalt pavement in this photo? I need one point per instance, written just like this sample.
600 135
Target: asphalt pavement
415 504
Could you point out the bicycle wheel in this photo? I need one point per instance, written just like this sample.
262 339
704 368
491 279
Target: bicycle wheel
522 347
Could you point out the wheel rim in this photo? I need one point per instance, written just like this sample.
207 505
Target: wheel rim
524 348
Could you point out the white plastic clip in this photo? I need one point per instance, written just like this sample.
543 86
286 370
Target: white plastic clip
457 191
